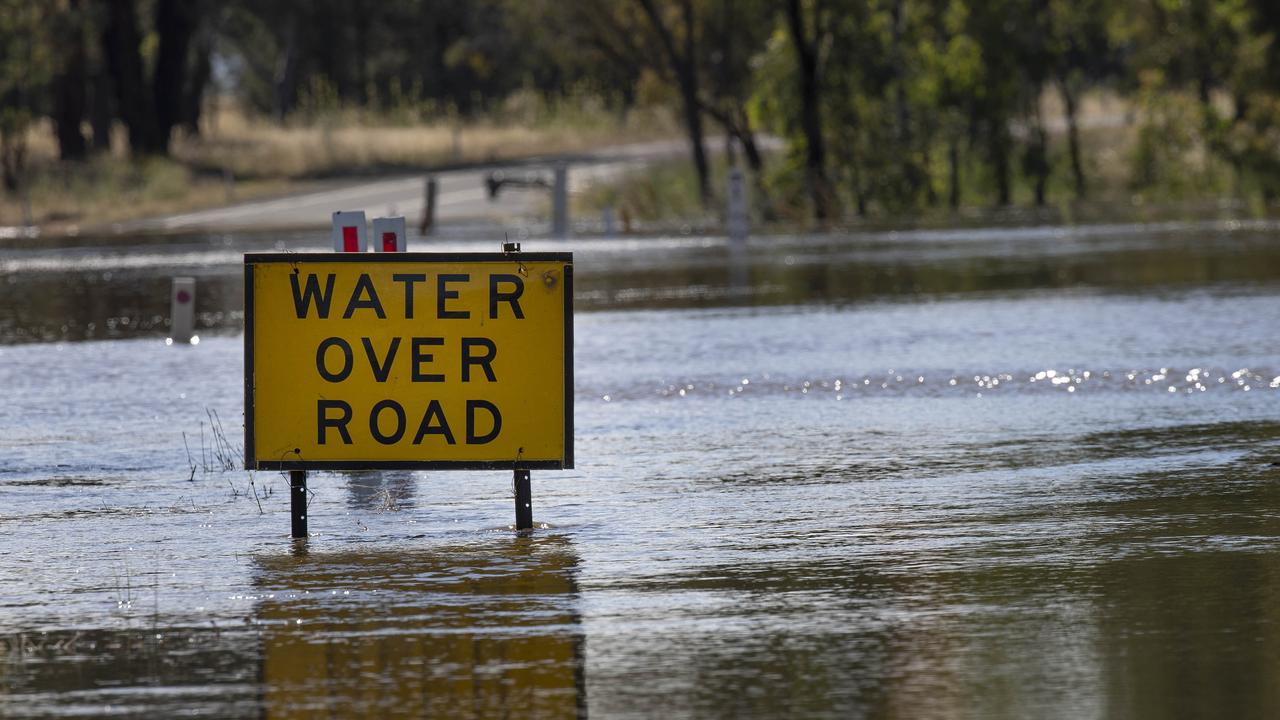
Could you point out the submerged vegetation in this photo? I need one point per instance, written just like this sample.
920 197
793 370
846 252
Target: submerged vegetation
888 107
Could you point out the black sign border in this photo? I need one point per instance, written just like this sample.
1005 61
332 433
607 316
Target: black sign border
253 463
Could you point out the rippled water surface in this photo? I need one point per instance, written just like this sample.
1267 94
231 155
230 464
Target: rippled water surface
979 473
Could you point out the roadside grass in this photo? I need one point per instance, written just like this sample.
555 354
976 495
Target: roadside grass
241 157
1149 164
663 197
655 195
1153 164
104 190
345 141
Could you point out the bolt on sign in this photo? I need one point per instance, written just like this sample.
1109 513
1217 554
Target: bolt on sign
408 360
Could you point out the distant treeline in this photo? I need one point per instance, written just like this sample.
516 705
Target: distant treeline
891 104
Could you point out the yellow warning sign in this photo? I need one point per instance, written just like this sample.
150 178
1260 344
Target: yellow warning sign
410 360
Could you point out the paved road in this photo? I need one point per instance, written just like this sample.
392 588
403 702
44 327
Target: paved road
461 199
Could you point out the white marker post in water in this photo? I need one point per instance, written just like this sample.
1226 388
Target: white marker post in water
182 311
349 232
608 223
560 202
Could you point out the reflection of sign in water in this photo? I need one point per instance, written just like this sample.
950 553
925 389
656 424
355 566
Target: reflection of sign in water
408 360
449 633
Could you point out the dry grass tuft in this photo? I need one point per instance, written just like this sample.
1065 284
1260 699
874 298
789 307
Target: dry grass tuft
353 142
240 156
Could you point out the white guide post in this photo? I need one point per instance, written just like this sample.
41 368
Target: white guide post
349 232
389 235
182 310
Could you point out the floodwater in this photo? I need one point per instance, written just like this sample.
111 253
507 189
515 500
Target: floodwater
973 473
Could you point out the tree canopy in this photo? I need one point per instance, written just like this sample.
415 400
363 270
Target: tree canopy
889 104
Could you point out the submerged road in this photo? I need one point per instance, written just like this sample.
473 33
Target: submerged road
461 201
979 472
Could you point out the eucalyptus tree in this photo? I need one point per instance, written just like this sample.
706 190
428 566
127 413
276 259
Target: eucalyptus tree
26 64
808 26
1082 53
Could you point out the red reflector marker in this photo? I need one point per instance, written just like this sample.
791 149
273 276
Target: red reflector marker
348 233
388 234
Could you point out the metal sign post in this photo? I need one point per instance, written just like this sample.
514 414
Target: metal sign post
298 502
524 501
558 185
560 202
521 480
428 223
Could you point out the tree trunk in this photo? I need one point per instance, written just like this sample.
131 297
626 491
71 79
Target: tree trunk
915 173
998 139
1040 164
120 45
13 158
100 111
693 124
747 137
859 189
1073 138
1037 158
901 110
70 100
363 18
953 168
286 76
201 71
924 177
755 162
684 68
175 24
810 113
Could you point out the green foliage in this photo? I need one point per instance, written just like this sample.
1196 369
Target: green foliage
919 103
25 69
1254 144
661 191
926 99
1167 137
312 57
